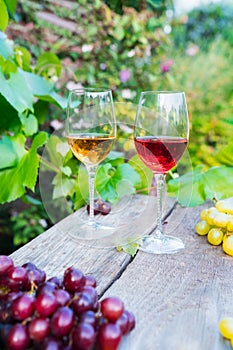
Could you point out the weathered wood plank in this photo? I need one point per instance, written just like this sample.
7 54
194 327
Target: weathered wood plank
178 299
55 249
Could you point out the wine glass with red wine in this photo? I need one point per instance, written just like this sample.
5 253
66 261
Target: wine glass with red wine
91 132
161 136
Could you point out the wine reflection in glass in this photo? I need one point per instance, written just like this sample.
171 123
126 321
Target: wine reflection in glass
91 131
161 135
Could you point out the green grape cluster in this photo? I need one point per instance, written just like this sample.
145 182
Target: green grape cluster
217 224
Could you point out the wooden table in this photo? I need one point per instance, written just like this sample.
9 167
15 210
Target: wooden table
177 299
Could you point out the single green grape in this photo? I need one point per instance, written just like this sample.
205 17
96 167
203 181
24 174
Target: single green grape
221 219
226 327
202 228
212 212
215 236
204 214
228 244
225 205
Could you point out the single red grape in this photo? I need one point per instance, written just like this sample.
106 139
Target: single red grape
91 292
109 336
90 281
23 307
88 317
123 323
17 338
73 279
62 321
46 304
46 287
131 320
62 296
6 263
82 303
104 207
55 280
17 277
39 328
83 336
51 343
112 308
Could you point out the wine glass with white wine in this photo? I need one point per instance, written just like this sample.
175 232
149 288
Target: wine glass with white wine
91 131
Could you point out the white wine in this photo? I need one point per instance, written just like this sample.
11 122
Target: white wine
91 149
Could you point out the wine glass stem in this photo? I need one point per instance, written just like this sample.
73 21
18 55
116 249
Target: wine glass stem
91 181
160 181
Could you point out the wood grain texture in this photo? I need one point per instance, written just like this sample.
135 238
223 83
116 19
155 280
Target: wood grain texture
178 299
56 249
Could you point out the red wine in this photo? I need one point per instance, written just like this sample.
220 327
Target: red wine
160 154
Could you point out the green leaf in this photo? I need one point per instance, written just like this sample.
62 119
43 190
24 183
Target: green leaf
9 67
48 65
30 124
66 170
44 89
146 175
8 156
22 57
112 183
5 48
131 247
218 182
11 5
13 182
224 155
16 91
4 18
189 188
194 188
39 140
6 123
63 186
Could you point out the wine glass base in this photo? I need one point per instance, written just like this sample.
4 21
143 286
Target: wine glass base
91 230
164 245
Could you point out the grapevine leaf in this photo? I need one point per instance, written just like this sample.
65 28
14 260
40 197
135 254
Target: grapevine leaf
8 156
131 247
5 48
14 181
6 109
224 155
22 57
48 64
16 91
4 18
43 89
218 182
30 124
144 172
63 186
39 140
189 188
195 187
11 5
113 183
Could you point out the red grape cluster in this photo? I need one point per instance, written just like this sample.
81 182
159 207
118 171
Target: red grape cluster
57 314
